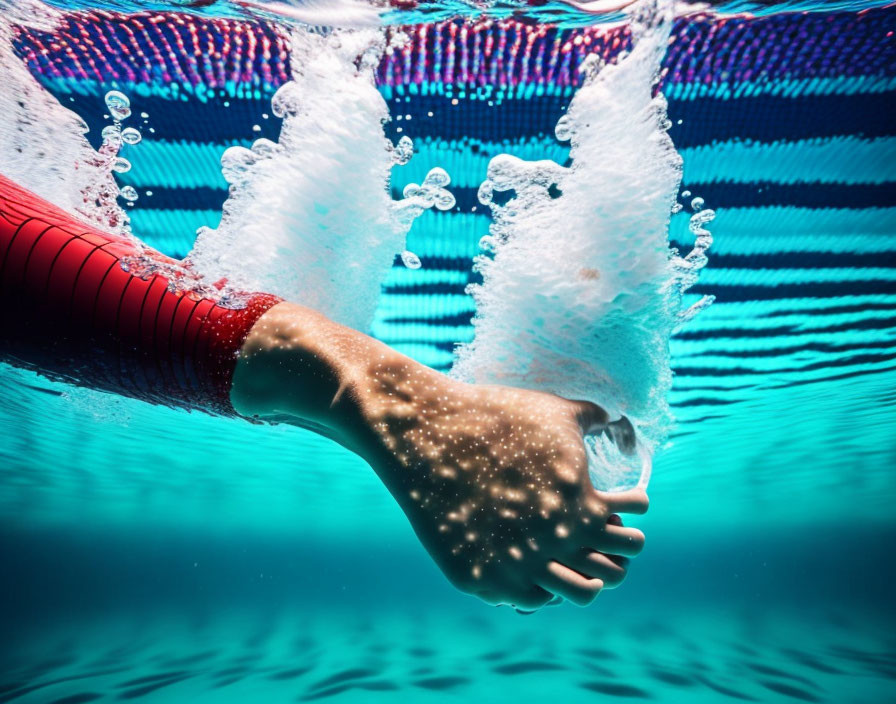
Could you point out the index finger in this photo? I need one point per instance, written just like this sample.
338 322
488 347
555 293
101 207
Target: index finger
629 501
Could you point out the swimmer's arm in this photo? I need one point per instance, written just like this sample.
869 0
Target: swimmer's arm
299 367
493 480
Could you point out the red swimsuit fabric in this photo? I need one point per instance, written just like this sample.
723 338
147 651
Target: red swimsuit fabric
70 310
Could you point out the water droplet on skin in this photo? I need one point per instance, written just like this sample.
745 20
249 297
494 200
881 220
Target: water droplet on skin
129 135
129 193
121 165
697 204
410 260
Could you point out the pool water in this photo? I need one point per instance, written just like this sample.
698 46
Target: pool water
155 555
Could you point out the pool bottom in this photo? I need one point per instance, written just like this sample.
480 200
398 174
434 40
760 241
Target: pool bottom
707 615
698 655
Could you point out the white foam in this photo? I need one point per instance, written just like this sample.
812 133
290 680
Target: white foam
581 291
42 143
310 217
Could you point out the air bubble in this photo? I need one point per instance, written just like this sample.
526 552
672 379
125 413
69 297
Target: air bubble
445 200
697 204
119 105
563 131
129 193
286 100
410 260
676 208
121 165
111 135
437 177
129 135
685 194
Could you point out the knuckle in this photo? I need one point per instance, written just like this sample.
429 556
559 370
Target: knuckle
597 508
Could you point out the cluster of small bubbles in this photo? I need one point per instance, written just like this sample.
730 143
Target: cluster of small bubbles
286 101
485 193
591 65
410 260
118 104
397 41
697 204
700 219
235 163
432 191
597 312
130 135
487 243
403 151
687 269
129 193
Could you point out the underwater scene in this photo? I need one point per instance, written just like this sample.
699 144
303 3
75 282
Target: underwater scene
262 261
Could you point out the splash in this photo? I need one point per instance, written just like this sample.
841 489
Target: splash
310 217
42 143
581 290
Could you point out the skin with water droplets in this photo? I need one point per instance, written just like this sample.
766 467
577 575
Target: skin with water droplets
494 480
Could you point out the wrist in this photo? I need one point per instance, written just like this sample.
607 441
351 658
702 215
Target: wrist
298 366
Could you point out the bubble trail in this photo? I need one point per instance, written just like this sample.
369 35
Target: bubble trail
581 292
310 217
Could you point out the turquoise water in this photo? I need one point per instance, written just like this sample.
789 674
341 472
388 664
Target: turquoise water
155 555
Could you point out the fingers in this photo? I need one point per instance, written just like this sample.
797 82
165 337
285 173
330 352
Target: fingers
630 501
619 540
569 584
610 569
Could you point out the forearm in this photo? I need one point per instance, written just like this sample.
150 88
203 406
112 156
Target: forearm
299 367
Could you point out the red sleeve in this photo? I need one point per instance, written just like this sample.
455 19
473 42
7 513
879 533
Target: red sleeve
70 310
